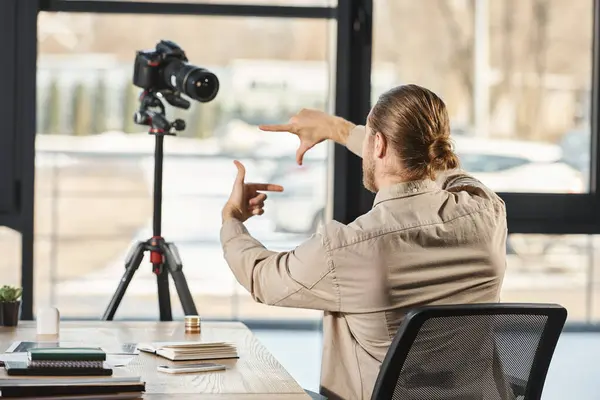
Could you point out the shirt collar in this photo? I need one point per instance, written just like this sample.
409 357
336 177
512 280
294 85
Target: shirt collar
404 189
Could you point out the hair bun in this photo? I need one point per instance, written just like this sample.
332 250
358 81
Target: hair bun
440 148
441 155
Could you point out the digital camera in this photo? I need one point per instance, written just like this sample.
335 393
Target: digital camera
166 70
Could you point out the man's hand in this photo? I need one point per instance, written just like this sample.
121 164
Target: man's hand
313 127
246 200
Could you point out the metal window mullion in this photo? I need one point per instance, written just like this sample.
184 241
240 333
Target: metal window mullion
595 103
234 10
25 130
352 102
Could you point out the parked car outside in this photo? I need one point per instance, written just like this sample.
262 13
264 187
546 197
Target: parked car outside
503 165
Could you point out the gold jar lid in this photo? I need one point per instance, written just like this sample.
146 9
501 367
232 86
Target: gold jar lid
192 319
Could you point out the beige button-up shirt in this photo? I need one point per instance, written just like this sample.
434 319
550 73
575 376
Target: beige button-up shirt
423 243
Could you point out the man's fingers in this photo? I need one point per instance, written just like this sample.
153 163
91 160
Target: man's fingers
241 174
291 128
258 211
269 187
258 199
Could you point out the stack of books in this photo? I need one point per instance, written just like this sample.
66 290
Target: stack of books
68 373
188 351
67 361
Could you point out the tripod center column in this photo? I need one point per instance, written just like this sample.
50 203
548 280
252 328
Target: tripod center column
158 172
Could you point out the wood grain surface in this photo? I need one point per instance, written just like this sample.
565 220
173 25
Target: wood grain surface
255 375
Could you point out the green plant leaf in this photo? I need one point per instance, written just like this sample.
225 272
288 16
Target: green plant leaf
9 294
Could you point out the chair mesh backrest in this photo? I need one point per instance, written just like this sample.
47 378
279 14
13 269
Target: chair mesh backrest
470 357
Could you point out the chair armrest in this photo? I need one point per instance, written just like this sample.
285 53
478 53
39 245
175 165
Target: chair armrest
517 385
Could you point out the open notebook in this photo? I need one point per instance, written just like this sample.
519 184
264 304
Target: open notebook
187 351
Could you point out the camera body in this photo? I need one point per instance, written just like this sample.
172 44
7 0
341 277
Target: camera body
148 66
166 70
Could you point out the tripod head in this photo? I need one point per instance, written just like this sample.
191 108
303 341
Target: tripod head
152 114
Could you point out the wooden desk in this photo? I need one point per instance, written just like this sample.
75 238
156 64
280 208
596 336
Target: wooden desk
255 375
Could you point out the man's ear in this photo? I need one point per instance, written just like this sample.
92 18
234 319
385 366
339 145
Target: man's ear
380 145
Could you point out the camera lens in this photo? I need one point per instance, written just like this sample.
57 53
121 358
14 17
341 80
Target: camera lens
201 85
197 83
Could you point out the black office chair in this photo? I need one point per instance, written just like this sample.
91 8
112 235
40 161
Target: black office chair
471 352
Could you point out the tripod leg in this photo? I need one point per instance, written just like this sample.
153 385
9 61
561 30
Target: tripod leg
164 296
132 262
175 268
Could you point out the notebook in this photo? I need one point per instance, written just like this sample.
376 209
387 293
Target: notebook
24 369
122 385
77 391
188 351
75 357
66 354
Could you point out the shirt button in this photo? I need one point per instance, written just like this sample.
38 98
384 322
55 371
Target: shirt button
415 190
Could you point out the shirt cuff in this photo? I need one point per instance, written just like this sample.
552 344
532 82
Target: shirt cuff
232 228
355 139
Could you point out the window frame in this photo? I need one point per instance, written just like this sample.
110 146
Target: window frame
527 213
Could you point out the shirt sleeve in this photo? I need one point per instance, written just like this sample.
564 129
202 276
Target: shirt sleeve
302 278
355 140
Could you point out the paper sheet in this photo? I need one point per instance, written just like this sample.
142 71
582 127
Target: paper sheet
13 357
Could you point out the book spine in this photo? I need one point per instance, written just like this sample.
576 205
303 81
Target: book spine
66 357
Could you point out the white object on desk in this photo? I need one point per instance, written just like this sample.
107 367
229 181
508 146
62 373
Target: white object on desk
48 319
190 368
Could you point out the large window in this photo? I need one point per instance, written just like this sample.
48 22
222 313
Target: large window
520 78
96 165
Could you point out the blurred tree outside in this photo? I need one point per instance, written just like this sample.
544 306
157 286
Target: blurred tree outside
52 122
82 111
100 115
130 107
539 51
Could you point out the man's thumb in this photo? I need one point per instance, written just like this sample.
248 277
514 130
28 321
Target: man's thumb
241 174
301 151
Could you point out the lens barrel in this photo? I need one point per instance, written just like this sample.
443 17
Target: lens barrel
196 83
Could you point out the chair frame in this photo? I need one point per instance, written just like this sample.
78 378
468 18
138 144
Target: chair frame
414 320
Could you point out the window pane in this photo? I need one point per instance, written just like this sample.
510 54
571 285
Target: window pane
96 165
515 75
555 269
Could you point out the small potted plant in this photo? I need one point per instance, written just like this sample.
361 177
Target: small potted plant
10 305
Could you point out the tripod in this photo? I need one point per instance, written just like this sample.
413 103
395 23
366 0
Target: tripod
164 256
